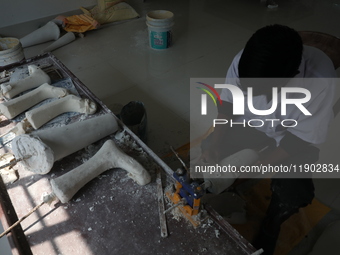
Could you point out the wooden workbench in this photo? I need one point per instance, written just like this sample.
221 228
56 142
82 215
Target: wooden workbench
111 214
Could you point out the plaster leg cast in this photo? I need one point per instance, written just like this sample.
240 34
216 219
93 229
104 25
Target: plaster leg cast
47 146
20 104
46 33
41 115
36 78
108 157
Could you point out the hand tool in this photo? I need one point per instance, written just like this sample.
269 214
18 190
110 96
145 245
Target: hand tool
187 190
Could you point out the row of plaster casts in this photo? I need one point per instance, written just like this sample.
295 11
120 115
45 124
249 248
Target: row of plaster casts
36 78
39 116
109 156
42 148
14 107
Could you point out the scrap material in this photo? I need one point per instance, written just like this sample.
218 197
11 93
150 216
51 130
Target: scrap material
160 200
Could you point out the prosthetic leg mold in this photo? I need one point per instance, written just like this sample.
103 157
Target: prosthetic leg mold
109 156
43 147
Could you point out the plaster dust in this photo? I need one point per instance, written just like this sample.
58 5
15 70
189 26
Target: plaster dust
140 39
207 228
125 140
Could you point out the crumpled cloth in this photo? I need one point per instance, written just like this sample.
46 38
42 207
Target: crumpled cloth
114 11
80 23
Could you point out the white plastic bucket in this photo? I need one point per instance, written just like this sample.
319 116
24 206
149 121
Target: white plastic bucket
10 51
160 25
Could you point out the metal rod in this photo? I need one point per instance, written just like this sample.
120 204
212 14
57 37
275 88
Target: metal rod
162 219
178 157
19 221
174 206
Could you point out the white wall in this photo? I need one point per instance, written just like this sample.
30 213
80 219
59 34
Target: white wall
18 11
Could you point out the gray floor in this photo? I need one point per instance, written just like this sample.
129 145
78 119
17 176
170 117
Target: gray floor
4 245
116 63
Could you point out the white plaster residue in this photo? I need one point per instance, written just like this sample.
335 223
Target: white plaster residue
119 135
217 233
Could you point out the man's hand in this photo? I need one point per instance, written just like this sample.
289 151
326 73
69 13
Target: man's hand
274 157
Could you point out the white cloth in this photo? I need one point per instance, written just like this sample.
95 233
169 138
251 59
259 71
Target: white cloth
312 129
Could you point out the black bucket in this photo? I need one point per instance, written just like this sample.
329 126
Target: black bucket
134 117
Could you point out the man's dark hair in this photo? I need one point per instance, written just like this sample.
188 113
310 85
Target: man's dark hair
273 51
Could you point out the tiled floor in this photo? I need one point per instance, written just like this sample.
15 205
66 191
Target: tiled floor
116 63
